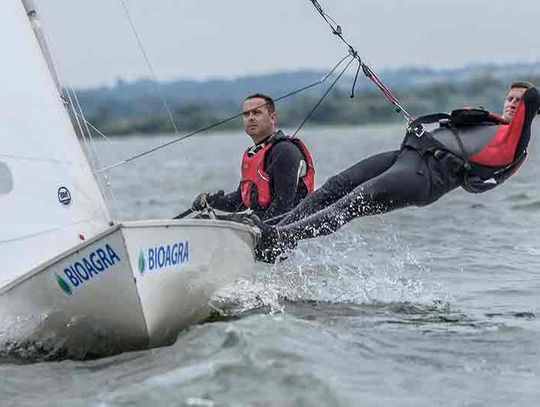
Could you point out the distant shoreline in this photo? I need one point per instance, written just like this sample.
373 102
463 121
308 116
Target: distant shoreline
135 108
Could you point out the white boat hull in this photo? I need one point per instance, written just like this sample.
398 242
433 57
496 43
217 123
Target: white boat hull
134 286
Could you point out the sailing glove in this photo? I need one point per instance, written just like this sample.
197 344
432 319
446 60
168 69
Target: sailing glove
204 200
200 202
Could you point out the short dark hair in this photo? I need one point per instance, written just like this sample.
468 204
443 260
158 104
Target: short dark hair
269 102
521 84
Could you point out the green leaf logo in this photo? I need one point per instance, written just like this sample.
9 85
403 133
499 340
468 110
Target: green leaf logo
63 285
141 262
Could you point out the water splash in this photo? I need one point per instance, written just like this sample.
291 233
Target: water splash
342 268
15 342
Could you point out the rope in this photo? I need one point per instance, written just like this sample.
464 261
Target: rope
368 72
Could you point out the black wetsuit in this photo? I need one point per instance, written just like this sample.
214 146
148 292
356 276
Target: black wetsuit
281 163
378 184
412 175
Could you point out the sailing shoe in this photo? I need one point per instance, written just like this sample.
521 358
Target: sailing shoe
270 247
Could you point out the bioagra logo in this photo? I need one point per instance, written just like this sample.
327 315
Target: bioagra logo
156 258
86 268
63 284
141 262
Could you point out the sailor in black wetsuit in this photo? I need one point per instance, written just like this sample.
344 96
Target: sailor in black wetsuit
471 148
277 172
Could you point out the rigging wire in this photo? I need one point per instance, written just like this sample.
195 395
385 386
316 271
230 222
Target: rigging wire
228 119
312 111
98 131
76 110
368 72
79 113
152 72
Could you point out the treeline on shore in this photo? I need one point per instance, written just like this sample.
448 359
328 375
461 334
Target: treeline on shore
368 106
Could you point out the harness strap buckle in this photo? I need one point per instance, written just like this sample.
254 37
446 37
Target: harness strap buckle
417 130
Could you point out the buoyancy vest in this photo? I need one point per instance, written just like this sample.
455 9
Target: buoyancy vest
491 150
255 182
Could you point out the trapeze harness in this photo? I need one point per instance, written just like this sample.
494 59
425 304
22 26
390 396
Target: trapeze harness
489 150
255 182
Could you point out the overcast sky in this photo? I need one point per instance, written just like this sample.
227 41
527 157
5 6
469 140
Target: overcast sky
93 42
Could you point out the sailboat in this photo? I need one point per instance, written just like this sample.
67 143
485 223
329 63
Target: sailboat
72 278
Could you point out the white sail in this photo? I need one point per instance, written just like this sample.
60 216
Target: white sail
49 198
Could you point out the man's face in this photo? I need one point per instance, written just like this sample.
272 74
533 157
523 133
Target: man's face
258 121
511 103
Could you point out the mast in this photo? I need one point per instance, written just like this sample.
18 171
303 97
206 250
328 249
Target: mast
33 16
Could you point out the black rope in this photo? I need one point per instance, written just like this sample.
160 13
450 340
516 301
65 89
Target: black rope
355 80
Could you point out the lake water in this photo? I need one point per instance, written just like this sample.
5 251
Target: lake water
433 306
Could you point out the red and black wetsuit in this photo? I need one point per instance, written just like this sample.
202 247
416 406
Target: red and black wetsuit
418 174
271 184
